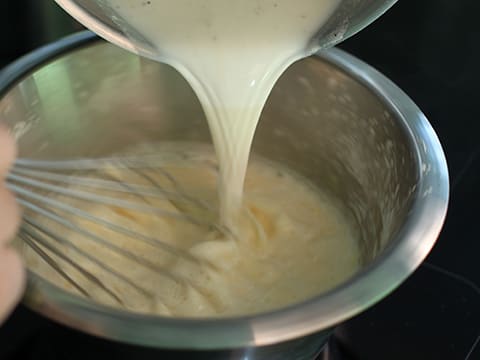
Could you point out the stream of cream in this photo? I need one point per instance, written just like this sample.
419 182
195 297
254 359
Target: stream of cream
232 53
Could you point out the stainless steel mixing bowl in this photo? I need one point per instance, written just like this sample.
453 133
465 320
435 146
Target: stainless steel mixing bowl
331 117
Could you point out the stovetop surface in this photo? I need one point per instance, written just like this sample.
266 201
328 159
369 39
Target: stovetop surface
431 49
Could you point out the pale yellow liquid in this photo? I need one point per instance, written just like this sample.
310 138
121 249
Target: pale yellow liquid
294 242
231 52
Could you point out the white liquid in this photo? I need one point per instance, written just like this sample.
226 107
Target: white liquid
231 53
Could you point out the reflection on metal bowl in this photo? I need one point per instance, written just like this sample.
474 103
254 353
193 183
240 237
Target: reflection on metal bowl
331 118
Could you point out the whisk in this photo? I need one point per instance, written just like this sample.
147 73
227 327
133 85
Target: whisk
57 196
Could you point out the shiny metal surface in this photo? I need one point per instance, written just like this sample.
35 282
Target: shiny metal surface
350 17
331 117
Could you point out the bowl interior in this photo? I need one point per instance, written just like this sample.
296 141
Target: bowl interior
320 120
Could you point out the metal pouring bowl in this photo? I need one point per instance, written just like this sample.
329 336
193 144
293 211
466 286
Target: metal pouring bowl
331 118
350 17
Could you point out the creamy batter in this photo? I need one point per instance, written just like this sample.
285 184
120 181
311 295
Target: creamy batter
294 243
232 53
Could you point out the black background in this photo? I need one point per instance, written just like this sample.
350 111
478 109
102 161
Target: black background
431 49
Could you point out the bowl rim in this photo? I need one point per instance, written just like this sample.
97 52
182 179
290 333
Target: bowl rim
406 252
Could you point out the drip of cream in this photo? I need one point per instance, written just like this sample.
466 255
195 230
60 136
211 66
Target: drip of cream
232 53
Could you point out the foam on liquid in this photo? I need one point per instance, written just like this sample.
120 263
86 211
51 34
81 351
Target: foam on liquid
231 53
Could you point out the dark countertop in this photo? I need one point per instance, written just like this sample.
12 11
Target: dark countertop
431 49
